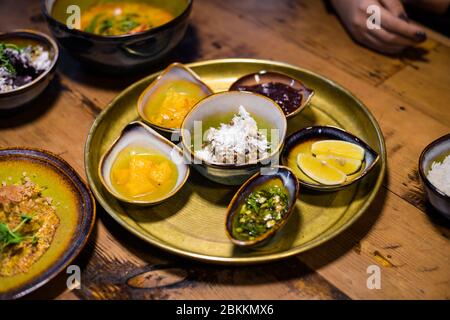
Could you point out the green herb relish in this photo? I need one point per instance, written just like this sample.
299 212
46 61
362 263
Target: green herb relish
260 212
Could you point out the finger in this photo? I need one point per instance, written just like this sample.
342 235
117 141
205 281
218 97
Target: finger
398 26
395 7
391 38
380 46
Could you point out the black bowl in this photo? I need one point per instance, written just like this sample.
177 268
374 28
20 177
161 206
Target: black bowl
333 133
123 52
435 150
13 99
288 180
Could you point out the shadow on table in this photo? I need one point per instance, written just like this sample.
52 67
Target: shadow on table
159 267
289 272
417 197
33 110
414 54
436 217
186 51
350 238
438 221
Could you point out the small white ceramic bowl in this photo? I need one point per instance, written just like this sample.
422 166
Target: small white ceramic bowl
223 106
175 71
137 133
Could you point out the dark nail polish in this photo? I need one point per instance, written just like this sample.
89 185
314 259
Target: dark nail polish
404 17
421 36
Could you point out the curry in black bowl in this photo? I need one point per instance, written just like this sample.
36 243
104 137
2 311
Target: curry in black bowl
118 35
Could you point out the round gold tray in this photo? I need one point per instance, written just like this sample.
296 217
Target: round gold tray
192 223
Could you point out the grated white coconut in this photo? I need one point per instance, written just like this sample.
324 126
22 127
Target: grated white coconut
238 142
39 58
34 56
439 175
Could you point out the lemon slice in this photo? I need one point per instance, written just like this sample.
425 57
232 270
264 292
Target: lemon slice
319 170
338 148
346 165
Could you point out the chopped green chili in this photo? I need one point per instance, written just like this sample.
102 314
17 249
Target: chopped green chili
260 212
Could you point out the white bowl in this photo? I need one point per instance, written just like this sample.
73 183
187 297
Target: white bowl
265 111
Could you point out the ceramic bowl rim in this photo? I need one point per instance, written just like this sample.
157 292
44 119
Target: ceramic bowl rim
230 165
140 107
42 37
442 139
140 202
186 11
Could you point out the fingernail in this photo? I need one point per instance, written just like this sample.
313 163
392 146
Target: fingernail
404 17
421 36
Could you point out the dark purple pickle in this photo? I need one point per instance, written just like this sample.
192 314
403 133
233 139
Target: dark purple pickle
287 97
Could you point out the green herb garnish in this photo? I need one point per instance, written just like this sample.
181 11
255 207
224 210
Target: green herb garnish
105 26
260 212
93 24
127 24
8 236
4 59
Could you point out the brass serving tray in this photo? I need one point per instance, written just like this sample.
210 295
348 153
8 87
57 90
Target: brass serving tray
192 223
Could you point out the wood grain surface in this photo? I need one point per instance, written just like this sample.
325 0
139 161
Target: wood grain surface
408 95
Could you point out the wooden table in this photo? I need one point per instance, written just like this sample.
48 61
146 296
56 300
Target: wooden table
409 97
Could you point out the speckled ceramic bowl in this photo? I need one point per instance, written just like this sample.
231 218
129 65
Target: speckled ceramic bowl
138 133
175 71
15 98
287 179
220 108
435 151
118 53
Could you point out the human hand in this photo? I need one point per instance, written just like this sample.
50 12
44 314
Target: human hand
396 31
